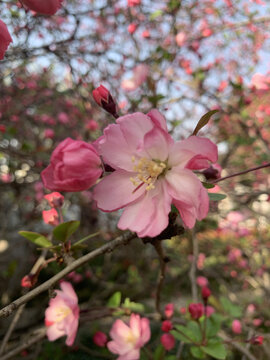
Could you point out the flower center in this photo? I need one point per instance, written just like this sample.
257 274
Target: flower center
130 338
61 313
147 172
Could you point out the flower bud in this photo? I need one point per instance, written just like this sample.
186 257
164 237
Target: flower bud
166 326
28 281
168 341
50 217
213 172
104 99
169 309
206 292
196 310
257 340
55 199
100 339
236 327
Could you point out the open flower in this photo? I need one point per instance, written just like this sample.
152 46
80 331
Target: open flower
127 340
62 315
151 173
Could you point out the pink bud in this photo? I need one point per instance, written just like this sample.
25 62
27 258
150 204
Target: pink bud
55 199
28 281
257 340
100 339
169 309
166 326
5 39
196 310
202 281
50 217
168 341
104 99
236 327
132 28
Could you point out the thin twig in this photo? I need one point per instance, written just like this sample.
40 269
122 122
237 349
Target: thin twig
121 240
19 312
193 267
241 173
239 347
32 339
158 247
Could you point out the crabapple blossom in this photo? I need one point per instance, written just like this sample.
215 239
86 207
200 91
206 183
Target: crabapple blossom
140 73
196 310
48 7
168 341
55 199
75 166
151 173
62 315
127 340
50 217
5 39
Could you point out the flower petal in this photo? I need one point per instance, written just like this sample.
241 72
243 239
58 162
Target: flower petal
157 144
116 191
54 333
193 153
158 119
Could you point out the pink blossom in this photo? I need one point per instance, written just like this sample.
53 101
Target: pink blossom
202 281
168 341
139 76
132 28
49 133
62 315
50 217
55 199
180 38
75 166
127 340
151 173
48 7
236 327
260 82
134 2
5 39
169 310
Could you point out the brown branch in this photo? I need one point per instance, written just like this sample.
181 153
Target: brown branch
193 267
121 240
32 339
241 173
162 259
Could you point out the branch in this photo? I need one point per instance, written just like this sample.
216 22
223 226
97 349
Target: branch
121 240
32 339
193 267
162 259
242 172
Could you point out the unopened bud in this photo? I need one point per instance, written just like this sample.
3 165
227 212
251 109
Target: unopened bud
104 99
206 292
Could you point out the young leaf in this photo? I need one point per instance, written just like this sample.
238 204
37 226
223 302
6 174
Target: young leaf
216 197
203 121
197 352
114 300
208 185
63 231
36 238
213 325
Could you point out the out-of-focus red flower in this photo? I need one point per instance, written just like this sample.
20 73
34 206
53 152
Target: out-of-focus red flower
236 327
45 7
169 310
168 341
206 292
196 310
55 199
166 326
5 39
257 340
50 217
100 339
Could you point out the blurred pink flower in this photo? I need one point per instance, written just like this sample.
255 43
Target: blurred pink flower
180 38
50 217
5 39
151 173
260 82
168 341
169 310
100 339
127 340
237 327
62 315
196 310
202 281
75 166
48 7
139 76
166 326
55 199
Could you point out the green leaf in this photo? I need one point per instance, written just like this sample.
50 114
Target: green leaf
155 14
196 331
115 300
188 334
170 357
63 231
204 121
182 336
159 352
133 306
36 238
197 352
215 349
213 325
234 310
216 197
208 185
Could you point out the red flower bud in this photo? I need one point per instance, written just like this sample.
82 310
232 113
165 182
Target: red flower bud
206 292
55 199
100 339
196 310
257 340
104 99
28 281
166 326
168 341
50 217
169 309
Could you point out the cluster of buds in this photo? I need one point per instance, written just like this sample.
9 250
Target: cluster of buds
55 200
